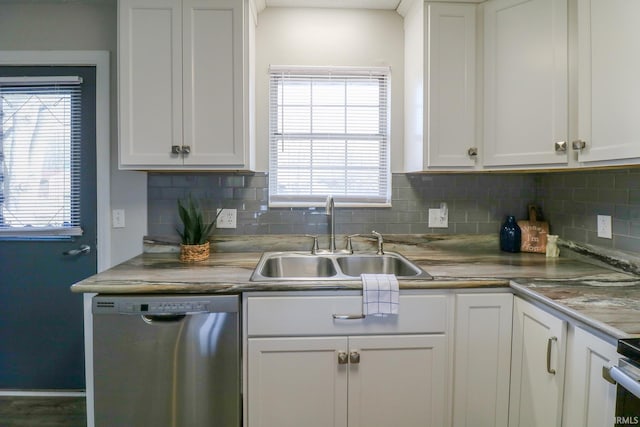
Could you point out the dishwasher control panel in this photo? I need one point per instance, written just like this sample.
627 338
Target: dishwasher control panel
140 305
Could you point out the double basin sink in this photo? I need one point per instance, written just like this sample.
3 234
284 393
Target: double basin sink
275 266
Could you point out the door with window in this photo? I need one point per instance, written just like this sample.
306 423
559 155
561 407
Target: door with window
47 222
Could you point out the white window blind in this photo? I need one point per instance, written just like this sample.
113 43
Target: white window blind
329 134
40 156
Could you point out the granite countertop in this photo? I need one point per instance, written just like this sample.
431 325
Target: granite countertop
607 299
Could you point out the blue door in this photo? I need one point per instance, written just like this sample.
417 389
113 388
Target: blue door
41 321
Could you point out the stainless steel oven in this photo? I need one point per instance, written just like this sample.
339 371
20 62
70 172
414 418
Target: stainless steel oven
627 377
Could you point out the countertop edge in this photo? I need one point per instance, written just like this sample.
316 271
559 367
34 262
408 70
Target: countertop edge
521 290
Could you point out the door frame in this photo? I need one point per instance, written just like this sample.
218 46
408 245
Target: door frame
100 60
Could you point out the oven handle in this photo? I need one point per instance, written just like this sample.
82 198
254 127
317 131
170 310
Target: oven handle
624 380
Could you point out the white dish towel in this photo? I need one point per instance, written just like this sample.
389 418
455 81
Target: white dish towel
379 294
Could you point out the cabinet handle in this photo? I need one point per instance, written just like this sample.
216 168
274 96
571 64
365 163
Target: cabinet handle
354 357
348 316
176 149
549 343
343 358
606 374
472 152
561 146
186 149
579 145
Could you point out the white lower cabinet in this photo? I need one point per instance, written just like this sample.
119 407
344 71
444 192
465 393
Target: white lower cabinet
482 360
347 381
537 367
452 359
373 372
297 382
589 400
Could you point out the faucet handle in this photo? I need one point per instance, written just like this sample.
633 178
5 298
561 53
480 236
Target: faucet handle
380 242
314 247
349 247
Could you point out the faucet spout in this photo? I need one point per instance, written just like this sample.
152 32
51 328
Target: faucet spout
329 208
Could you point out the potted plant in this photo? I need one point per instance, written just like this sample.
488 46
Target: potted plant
195 233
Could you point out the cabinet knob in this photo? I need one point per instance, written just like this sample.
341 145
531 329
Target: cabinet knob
354 357
472 152
343 358
561 147
176 149
186 149
579 144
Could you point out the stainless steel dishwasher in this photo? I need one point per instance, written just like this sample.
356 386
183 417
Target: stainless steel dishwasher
167 361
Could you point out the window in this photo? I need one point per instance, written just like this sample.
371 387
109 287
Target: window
329 134
40 156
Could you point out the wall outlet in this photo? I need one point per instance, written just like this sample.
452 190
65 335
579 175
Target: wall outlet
438 218
117 218
227 219
604 227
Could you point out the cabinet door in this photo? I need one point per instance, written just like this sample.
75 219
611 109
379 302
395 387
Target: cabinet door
440 85
450 73
537 367
526 110
482 360
295 382
609 88
150 81
213 82
590 400
399 381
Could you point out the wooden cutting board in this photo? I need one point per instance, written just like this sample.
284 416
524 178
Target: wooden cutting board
534 233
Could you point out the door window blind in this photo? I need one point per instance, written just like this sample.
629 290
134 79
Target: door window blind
40 156
329 134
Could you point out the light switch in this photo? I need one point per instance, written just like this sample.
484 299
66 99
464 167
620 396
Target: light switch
117 218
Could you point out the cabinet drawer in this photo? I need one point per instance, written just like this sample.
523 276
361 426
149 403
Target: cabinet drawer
295 316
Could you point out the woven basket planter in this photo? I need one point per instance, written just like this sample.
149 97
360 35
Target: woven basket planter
194 253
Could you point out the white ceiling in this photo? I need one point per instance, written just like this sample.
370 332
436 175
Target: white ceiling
261 4
339 4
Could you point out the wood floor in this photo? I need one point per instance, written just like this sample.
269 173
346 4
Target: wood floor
42 412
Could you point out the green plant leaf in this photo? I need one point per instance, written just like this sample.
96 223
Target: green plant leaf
194 228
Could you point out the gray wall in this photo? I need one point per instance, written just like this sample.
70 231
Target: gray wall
74 25
477 204
572 200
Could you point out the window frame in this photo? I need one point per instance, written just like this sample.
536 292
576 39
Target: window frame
383 137
74 86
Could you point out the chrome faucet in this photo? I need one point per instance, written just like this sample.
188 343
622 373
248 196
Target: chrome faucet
329 210
380 242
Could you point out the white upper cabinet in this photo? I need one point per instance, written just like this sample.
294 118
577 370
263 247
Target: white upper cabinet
440 86
183 83
525 82
609 83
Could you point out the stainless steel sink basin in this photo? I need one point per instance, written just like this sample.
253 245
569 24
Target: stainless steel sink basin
274 266
355 265
297 265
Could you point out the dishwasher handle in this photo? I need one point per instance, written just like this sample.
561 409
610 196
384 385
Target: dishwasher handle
151 319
